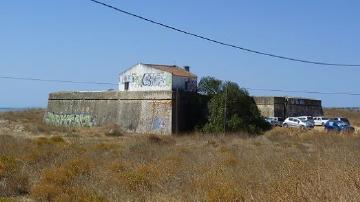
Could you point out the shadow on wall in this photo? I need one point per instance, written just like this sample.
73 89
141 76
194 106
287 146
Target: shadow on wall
192 111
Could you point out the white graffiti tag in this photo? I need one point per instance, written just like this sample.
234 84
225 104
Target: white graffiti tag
78 120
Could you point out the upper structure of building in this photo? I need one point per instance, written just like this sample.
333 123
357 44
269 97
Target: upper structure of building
155 77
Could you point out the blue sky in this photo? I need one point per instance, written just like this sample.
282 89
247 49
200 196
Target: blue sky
80 40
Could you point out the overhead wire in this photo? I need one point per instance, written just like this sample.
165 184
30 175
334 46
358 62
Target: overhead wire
55 80
116 84
224 43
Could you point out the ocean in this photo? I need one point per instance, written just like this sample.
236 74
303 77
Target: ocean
14 109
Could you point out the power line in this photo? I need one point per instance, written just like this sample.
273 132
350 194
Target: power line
224 43
303 91
56 81
115 84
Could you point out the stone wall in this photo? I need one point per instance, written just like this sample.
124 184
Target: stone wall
138 112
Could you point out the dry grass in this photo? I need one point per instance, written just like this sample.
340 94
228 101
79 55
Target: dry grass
89 165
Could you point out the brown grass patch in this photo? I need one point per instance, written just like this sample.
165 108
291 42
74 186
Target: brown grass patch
281 165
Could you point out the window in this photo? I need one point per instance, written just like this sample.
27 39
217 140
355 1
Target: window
126 85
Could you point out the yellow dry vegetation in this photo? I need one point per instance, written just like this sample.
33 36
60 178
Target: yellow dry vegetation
91 165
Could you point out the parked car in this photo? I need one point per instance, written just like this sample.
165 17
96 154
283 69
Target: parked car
274 121
307 118
320 121
342 119
338 126
297 123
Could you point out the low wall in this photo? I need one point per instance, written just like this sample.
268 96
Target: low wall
138 112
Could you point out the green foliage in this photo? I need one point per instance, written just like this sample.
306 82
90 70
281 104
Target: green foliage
209 86
230 105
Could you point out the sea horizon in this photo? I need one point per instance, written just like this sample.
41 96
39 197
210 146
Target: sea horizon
8 109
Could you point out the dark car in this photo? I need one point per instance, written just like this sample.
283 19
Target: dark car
345 120
338 126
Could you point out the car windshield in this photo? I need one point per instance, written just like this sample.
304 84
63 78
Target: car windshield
344 120
341 124
302 119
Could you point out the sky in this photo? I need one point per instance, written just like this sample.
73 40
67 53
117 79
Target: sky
83 41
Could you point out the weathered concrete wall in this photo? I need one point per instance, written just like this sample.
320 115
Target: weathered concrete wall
303 107
145 116
184 83
75 108
143 78
139 112
285 107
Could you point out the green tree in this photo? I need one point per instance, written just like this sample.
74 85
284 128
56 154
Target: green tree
230 108
209 86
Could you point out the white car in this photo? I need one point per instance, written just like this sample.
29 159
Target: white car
307 118
297 123
320 121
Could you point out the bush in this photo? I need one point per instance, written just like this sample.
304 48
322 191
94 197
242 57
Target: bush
231 109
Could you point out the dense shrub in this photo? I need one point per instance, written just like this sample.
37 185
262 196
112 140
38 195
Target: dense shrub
230 108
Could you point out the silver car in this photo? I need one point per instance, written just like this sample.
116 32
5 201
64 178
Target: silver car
297 123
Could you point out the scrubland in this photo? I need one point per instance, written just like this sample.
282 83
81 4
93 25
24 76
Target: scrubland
46 163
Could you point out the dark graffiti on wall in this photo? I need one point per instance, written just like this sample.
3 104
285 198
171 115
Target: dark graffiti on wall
154 79
77 120
296 101
147 79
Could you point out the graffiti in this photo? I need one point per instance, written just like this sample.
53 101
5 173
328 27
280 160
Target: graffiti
154 79
158 123
128 78
78 120
132 78
297 101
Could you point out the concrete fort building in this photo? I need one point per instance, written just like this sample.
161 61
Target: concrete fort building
271 106
151 77
150 99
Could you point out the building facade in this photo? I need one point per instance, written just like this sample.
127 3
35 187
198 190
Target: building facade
270 106
151 77
145 112
151 99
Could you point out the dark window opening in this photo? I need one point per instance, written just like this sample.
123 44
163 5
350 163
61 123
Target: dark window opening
126 86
